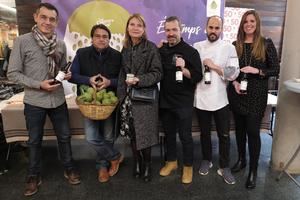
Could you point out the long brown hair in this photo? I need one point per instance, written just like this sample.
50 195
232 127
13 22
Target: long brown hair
258 45
127 40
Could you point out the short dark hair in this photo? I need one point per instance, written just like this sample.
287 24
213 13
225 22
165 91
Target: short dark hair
174 18
49 6
100 26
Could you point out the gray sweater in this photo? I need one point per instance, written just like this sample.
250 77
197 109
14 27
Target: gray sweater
28 67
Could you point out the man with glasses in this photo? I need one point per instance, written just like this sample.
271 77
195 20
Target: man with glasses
98 66
35 59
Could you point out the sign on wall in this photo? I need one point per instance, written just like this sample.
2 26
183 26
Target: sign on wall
78 16
232 18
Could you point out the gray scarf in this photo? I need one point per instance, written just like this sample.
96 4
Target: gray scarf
48 46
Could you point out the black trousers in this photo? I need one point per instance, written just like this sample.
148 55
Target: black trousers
222 120
248 125
180 120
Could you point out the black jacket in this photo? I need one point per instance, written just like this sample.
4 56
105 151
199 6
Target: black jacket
173 94
91 62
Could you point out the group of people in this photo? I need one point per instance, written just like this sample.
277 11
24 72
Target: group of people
38 55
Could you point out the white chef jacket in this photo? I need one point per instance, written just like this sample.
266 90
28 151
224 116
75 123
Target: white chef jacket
212 97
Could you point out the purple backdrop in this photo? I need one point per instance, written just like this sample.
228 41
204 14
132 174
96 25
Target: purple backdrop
192 13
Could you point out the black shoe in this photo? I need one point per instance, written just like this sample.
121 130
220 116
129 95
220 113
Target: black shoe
238 166
251 180
147 172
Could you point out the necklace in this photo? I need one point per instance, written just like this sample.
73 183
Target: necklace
245 55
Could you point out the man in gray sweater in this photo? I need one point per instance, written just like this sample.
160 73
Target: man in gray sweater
35 60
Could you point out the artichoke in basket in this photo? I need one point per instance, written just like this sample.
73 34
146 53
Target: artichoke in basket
103 97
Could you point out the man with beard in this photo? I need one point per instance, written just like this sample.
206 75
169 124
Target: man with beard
176 98
211 99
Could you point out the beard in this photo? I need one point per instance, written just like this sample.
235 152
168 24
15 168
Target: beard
172 40
212 37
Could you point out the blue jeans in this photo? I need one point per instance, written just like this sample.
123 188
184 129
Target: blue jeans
35 120
100 135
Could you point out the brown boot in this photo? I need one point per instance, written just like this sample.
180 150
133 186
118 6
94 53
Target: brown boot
72 176
32 184
168 168
114 165
103 175
187 175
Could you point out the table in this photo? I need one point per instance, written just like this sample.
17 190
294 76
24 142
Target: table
293 86
13 111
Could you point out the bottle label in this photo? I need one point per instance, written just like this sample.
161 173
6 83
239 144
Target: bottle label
179 76
60 76
207 76
244 85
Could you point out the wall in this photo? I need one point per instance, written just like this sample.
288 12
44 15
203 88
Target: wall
272 13
25 9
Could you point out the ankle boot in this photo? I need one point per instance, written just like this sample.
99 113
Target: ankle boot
168 168
187 175
137 161
239 165
147 172
147 164
251 180
138 166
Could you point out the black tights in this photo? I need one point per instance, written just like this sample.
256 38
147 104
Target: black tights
248 125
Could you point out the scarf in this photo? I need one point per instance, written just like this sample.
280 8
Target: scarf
48 46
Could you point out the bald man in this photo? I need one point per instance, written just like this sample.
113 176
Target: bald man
211 99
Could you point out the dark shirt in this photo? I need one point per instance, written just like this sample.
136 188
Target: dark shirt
89 62
255 101
173 94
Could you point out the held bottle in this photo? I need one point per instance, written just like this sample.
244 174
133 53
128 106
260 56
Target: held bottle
207 75
178 73
244 84
61 74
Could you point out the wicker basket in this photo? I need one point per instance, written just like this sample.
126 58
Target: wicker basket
96 112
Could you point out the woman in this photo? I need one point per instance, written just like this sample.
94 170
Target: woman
138 119
258 60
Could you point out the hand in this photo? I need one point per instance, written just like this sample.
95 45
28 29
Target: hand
104 83
237 87
209 63
250 70
161 43
68 75
93 81
48 85
132 81
180 62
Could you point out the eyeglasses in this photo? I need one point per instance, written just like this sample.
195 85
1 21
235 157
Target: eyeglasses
105 37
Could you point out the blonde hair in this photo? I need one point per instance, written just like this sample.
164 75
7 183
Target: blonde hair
258 45
127 40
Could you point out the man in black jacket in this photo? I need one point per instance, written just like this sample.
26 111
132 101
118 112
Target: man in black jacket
98 66
176 98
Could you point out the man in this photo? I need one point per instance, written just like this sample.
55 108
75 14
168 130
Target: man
211 99
35 59
176 99
98 66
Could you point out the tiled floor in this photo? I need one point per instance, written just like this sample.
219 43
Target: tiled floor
124 186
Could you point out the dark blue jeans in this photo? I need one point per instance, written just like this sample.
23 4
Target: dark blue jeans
180 120
100 135
35 120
